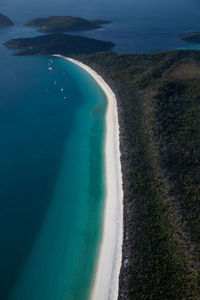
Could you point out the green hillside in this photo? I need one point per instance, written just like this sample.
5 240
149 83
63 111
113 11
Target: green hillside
159 110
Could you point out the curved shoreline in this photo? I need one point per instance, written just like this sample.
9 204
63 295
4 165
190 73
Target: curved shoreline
106 279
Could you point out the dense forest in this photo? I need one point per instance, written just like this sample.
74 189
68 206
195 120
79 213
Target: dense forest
60 43
159 110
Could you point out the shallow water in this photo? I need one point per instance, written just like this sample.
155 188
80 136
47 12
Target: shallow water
51 156
60 263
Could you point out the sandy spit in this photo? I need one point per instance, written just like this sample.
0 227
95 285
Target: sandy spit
106 278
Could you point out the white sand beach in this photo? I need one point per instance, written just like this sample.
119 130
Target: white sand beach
105 283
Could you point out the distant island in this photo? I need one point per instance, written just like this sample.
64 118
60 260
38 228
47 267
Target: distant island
64 44
5 21
56 24
191 37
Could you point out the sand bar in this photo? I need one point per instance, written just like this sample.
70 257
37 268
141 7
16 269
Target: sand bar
106 279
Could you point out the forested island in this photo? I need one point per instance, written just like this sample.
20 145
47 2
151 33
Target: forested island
191 37
64 44
5 21
56 24
158 98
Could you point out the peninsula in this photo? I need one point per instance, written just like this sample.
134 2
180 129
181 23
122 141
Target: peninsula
56 24
191 37
5 21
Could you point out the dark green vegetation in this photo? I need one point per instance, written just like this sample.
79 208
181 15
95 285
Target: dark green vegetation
191 37
60 43
56 24
5 21
159 112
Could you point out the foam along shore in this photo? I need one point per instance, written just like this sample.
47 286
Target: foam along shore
106 278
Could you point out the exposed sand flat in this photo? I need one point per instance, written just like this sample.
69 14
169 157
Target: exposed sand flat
105 285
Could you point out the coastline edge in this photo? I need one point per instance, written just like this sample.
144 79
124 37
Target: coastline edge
105 283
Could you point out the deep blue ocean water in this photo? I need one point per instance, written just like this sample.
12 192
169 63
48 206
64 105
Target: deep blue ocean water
138 25
51 143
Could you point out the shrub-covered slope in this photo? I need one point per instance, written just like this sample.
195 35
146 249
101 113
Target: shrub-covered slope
159 111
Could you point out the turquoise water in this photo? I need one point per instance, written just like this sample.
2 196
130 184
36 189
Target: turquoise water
61 262
52 190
